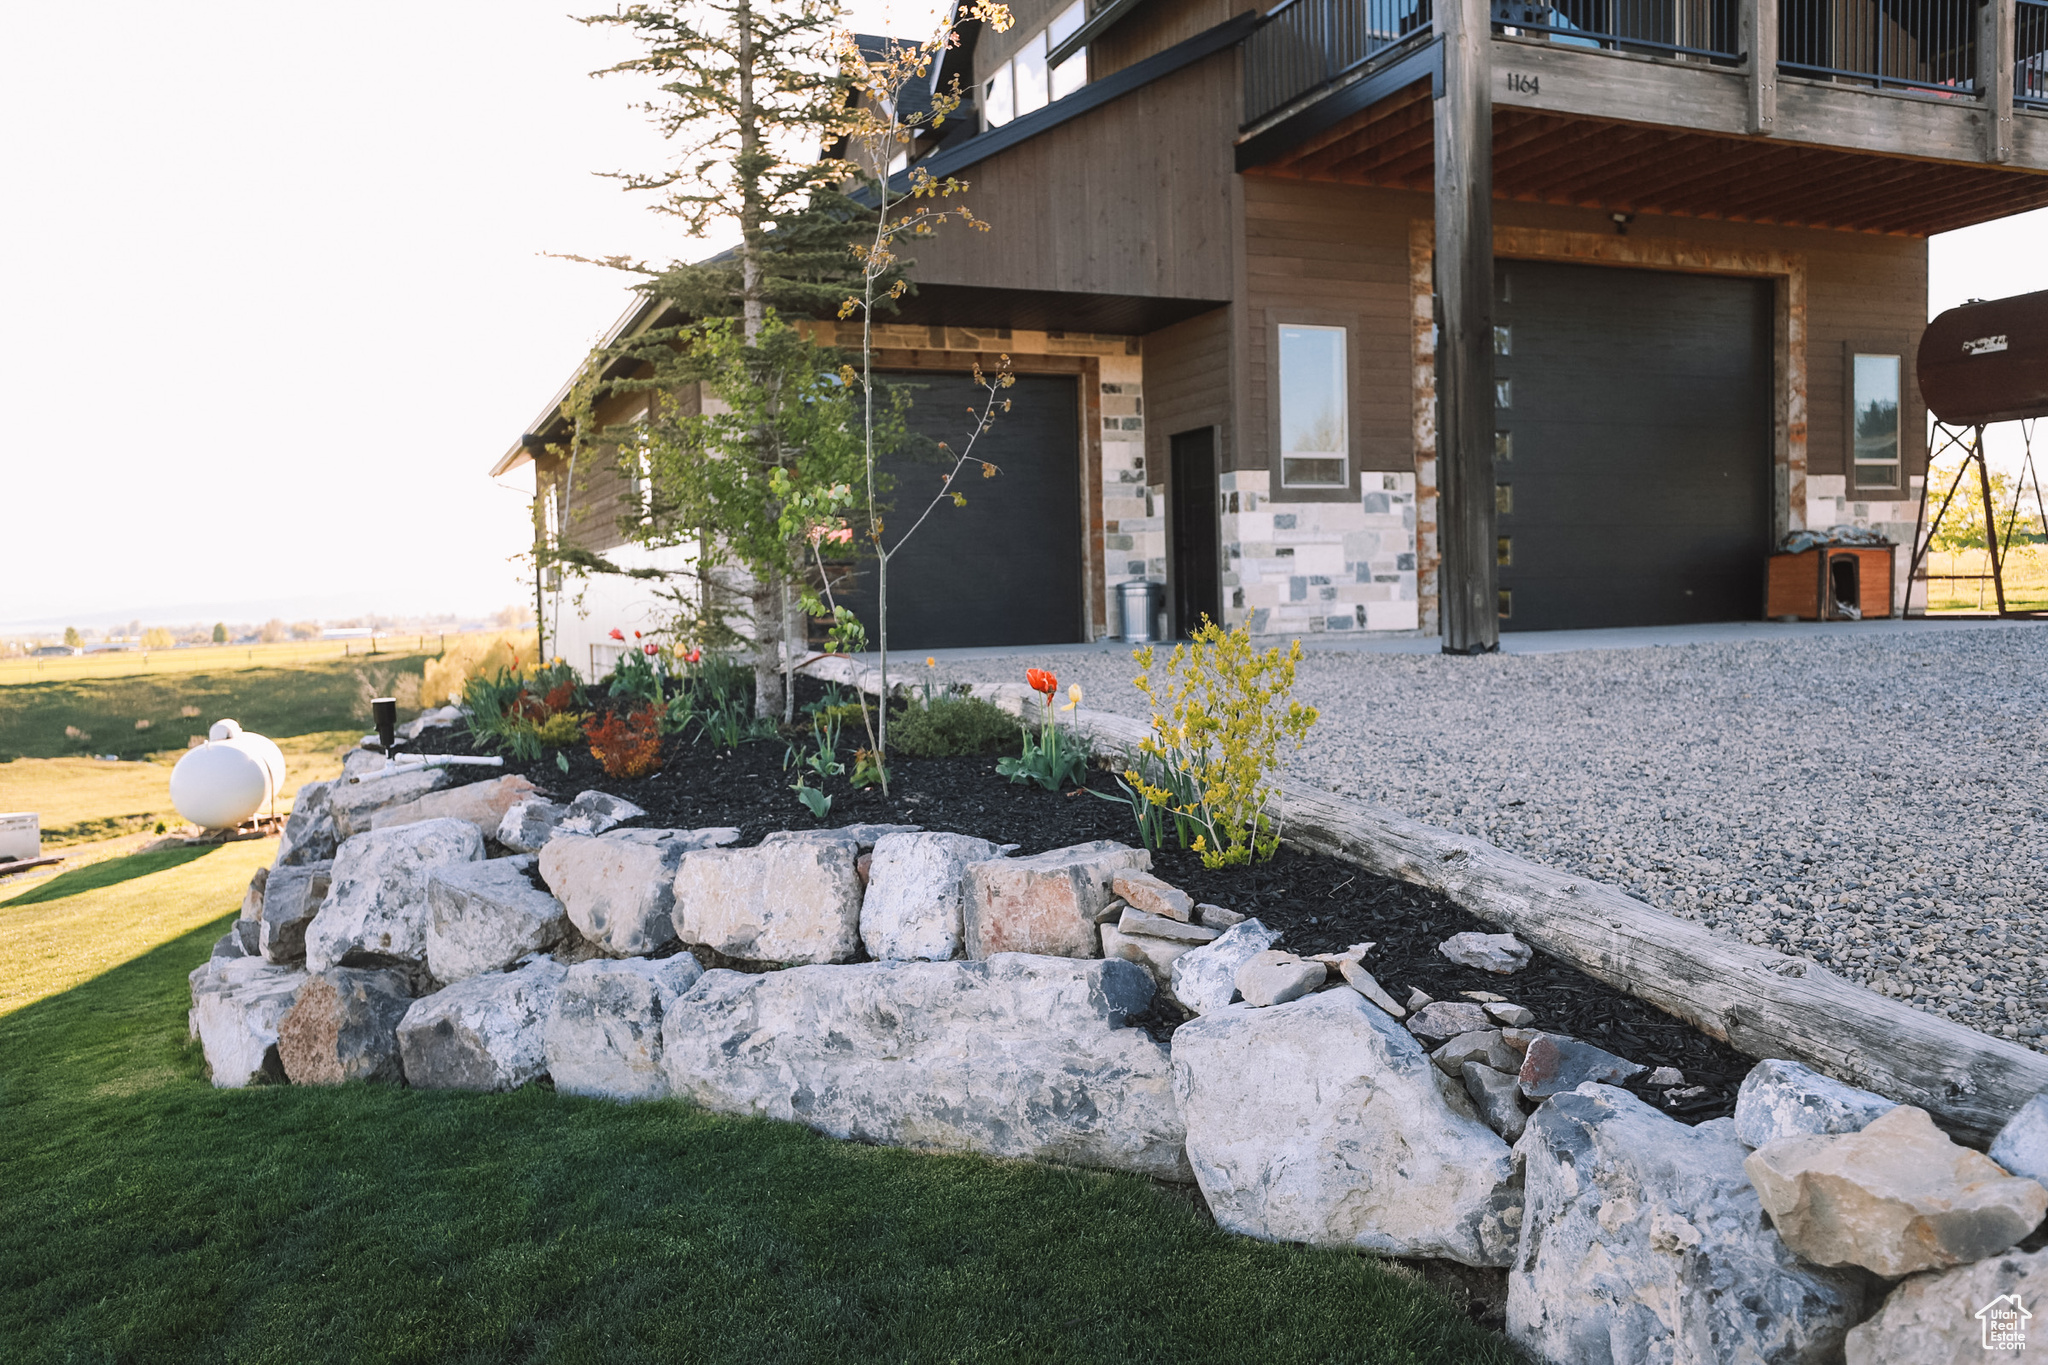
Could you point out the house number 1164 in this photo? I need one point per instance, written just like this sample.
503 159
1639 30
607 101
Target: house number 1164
1522 84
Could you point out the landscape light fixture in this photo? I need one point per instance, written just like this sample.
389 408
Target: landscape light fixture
1621 222
384 714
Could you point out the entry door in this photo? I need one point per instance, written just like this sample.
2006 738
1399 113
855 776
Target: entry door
1006 568
1192 492
1633 446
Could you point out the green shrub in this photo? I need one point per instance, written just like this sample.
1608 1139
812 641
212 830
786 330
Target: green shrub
953 726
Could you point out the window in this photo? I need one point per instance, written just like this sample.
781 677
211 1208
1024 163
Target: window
999 105
1034 89
1315 440
1028 81
1874 420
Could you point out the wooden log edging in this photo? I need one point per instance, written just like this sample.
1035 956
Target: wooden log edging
1761 1002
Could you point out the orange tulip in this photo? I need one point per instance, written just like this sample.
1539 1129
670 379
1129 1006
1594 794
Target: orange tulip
1041 681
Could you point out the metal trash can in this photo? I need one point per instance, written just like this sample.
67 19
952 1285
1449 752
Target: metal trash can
1142 602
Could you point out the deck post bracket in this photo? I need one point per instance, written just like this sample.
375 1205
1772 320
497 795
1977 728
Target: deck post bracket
1995 25
1469 579
1760 41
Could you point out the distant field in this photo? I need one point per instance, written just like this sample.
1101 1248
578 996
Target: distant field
217 658
2026 581
76 717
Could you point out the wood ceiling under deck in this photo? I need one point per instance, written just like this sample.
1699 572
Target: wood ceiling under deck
1542 158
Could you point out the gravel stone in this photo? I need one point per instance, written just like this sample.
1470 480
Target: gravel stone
1868 798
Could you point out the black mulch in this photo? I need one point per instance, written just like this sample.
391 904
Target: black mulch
1320 904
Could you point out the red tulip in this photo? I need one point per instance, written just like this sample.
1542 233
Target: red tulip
651 648
617 634
636 634
693 656
1041 681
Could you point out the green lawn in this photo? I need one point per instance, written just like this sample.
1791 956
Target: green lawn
149 1217
37 719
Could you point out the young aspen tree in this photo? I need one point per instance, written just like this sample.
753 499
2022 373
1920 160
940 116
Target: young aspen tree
904 206
749 95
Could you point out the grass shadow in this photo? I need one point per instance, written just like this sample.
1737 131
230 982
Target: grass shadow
112 872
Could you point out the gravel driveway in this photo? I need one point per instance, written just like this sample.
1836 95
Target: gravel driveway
1878 802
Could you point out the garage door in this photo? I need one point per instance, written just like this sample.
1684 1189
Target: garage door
1634 447
1006 568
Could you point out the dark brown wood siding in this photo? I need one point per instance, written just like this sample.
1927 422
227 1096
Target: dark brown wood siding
1130 199
1330 255
1156 26
1187 386
1339 255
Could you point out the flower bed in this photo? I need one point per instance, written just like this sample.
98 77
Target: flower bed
1320 905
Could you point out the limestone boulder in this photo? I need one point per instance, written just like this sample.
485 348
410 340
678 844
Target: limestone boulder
1501 954
228 946
483 804
1781 1099
2022 1145
796 901
355 802
1486 1047
483 917
1323 1121
1895 1198
1155 955
916 890
486 1033
293 895
237 1005
1437 1022
1553 1064
1205 980
1642 1240
528 825
1274 978
252 898
1217 918
1498 1097
1359 979
1964 1316
343 1026
603 1036
619 888
595 812
1012 1056
1133 921
1149 895
375 913
309 835
1047 903
863 836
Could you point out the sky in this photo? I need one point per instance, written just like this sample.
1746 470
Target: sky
276 291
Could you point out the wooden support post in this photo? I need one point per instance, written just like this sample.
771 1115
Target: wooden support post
1469 579
1760 41
1994 75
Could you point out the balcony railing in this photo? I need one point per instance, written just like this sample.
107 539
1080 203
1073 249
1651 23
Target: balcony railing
2030 54
1306 44
1922 46
1703 29
1928 45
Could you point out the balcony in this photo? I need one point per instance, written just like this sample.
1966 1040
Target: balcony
1870 115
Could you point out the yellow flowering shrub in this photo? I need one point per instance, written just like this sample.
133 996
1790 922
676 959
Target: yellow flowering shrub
1220 717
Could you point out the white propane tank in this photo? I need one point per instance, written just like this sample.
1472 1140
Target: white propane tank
227 779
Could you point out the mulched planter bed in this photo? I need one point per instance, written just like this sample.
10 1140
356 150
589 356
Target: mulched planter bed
1319 903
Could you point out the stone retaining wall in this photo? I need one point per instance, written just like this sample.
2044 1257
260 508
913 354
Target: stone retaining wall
1305 1103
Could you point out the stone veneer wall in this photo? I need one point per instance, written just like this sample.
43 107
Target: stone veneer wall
1301 568
1133 505
1828 504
